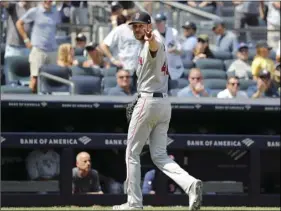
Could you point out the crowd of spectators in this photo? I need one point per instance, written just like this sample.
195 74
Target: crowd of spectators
227 70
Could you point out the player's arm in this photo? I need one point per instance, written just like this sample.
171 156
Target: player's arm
152 42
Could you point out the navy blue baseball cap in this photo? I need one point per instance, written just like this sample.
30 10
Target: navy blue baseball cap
189 25
160 17
141 18
242 45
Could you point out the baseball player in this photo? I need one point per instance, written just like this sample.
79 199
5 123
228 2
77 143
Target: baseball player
150 120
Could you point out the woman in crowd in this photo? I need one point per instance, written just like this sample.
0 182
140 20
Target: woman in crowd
262 60
202 49
66 56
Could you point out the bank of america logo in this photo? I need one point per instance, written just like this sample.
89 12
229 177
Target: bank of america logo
248 142
2 139
85 140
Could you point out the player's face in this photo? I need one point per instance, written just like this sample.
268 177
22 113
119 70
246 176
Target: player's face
233 86
47 4
84 162
138 30
195 77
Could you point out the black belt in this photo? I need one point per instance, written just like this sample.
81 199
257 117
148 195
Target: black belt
154 94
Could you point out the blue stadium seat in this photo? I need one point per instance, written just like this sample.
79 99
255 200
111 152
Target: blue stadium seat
215 84
185 73
182 82
15 89
109 82
187 64
87 85
48 86
244 84
109 71
81 59
174 92
76 70
222 55
209 64
79 51
63 39
173 84
228 11
227 63
17 69
214 92
213 73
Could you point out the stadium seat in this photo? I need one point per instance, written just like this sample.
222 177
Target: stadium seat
15 89
215 84
17 70
85 71
173 84
182 82
227 63
187 64
227 11
255 33
87 85
185 73
79 51
174 92
244 84
109 71
48 86
81 59
212 73
63 39
109 82
228 22
210 64
214 92
222 55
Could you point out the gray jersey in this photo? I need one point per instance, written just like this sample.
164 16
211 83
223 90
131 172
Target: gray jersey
152 72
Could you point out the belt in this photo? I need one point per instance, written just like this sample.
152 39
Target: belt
152 94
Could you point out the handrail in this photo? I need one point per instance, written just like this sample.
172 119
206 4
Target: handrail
190 9
57 79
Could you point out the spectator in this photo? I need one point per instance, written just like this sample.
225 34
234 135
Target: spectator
202 49
79 12
150 178
276 78
171 40
195 87
43 164
278 52
189 42
265 86
246 12
95 56
232 89
81 41
121 19
226 40
273 23
121 39
44 18
14 44
262 60
123 87
116 10
84 178
241 66
66 56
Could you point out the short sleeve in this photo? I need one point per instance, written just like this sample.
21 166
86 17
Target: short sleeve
255 66
111 39
29 16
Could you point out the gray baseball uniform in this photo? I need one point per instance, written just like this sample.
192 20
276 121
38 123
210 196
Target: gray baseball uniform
150 120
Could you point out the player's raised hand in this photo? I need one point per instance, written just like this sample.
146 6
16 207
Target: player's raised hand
148 34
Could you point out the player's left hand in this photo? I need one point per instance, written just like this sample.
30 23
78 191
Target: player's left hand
148 35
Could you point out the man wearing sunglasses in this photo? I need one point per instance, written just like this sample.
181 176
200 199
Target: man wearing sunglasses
232 89
123 88
264 88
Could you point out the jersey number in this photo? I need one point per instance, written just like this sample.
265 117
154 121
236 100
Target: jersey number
164 69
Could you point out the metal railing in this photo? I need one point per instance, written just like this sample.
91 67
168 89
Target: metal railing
56 79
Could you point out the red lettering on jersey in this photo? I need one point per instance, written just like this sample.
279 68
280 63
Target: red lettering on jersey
140 60
164 69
